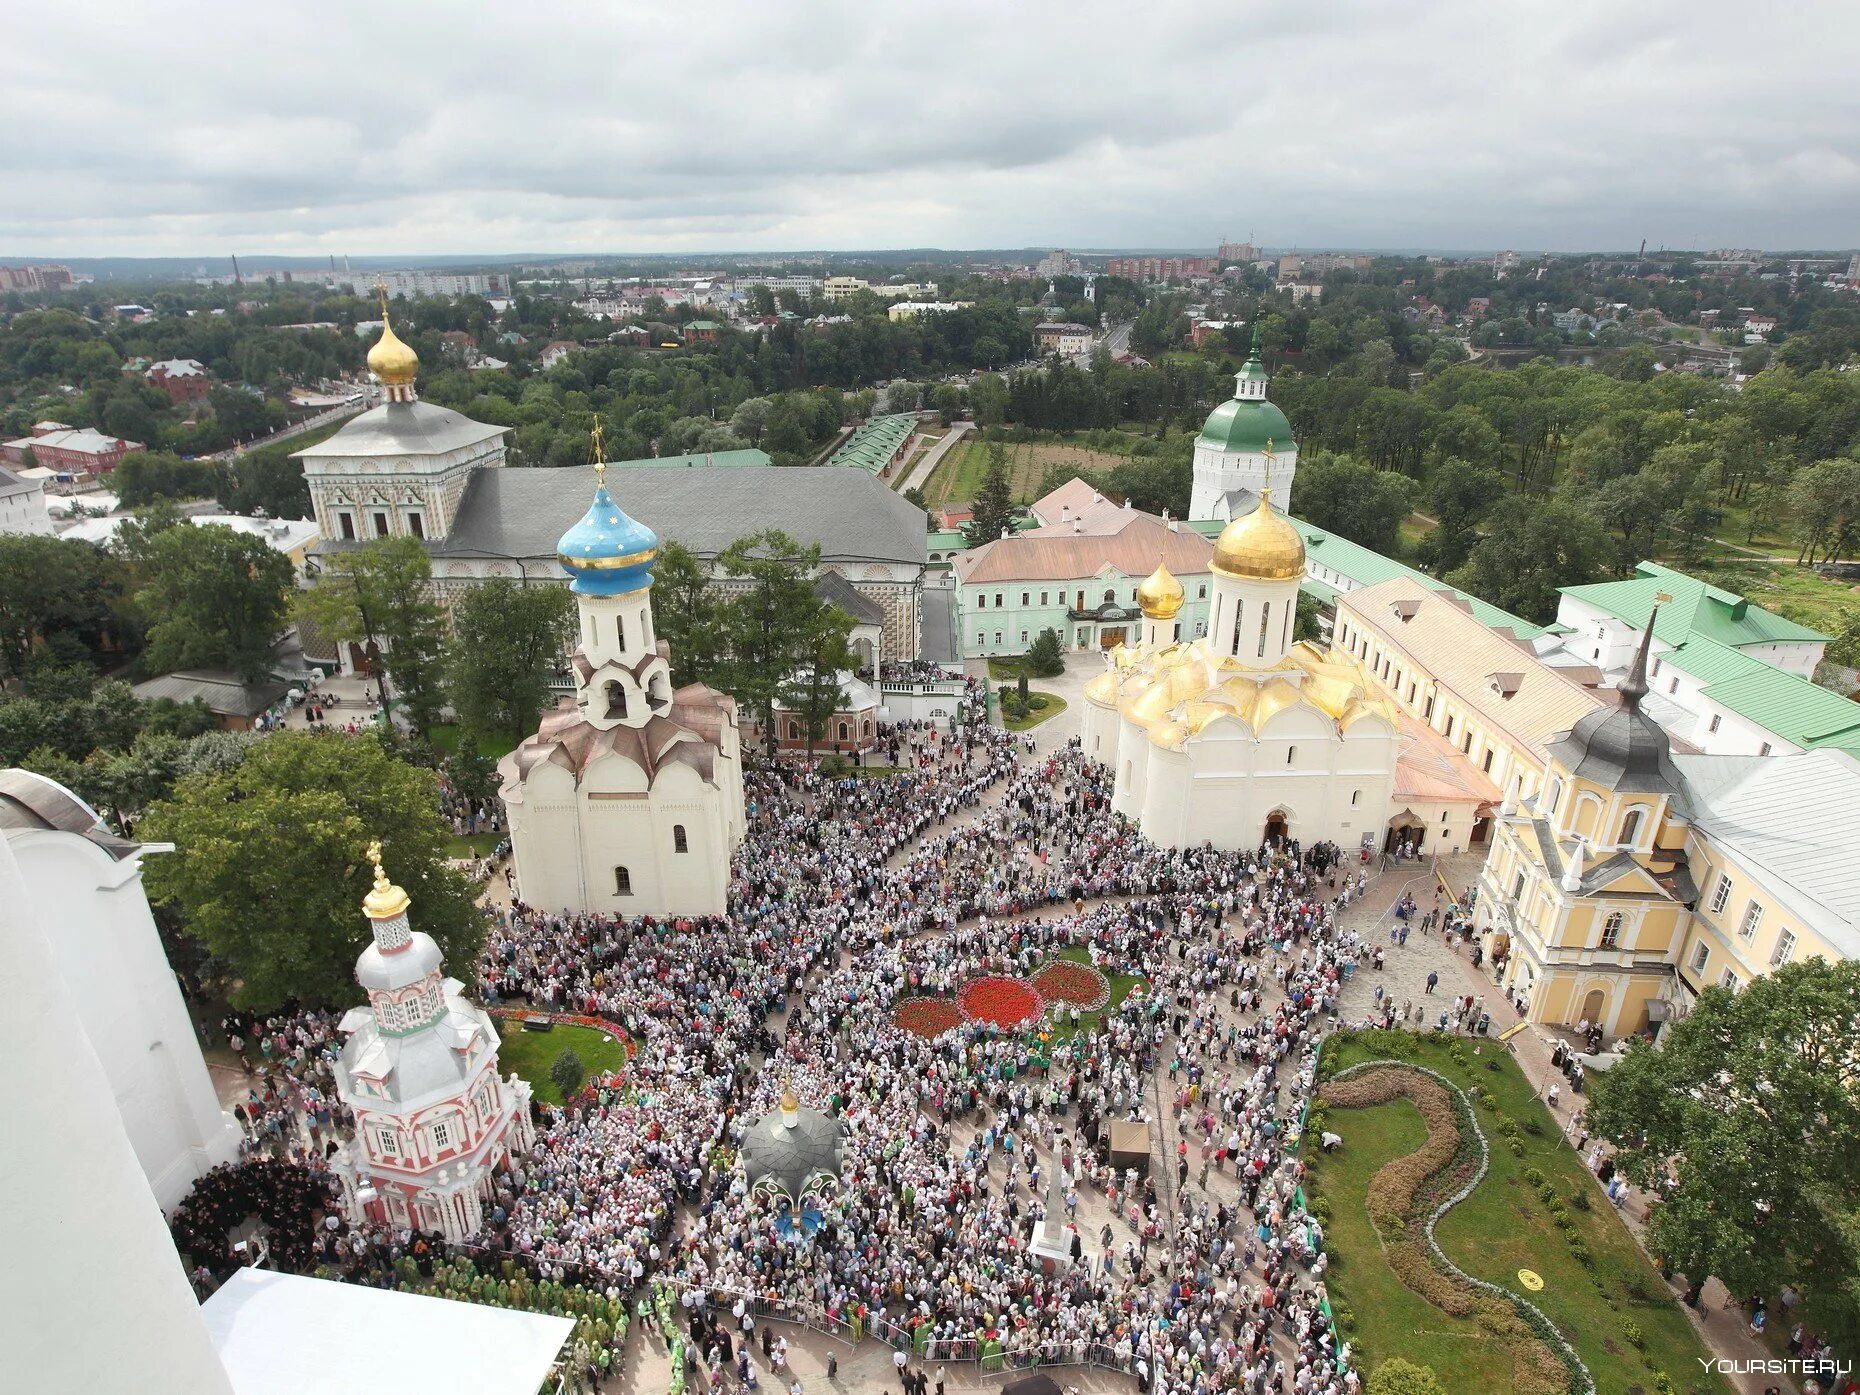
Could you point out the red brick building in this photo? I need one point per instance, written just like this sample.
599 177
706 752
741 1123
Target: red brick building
1161 268
84 451
183 379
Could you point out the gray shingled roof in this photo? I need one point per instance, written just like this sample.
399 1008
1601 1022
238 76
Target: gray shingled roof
403 428
835 589
851 515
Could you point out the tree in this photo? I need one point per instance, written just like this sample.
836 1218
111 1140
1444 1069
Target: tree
567 1072
994 500
1731 1118
508 640
58 592
1398 1377
1343 495
214 598
1045 657
146 476
1825 499
751 417
767 621
269 871
379 595
812 692
687 614
1530 549
1305 625
1459 495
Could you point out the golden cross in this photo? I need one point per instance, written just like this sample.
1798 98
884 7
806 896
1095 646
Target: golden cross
381 291
374 853
600 461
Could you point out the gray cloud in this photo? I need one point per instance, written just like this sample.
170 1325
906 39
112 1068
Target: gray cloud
463 127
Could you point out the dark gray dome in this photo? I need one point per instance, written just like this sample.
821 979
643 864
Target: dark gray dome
793 1158
1619 748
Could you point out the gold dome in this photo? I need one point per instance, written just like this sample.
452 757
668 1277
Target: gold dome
1262 546
390 360
1161 595
386 900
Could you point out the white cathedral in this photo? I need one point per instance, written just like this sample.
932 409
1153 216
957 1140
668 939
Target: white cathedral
1242 736
1245 445
628 800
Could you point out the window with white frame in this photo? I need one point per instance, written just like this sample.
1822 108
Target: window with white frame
442 1135
1630 827
1753 917
1728 979
1611 931
1701 956
1785 946
1720 893
387 1145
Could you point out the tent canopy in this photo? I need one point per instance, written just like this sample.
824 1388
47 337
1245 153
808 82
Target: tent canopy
282 1334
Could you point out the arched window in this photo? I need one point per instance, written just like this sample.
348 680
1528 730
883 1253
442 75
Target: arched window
1291 754
1265 615
616 698
1110 597
1630 827
1611 931
620 630
1239 611
842 731
1554 797
623 882
679 842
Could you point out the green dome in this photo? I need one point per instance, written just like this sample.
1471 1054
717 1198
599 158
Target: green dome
1247 426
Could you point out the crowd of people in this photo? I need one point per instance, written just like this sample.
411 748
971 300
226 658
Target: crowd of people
848 895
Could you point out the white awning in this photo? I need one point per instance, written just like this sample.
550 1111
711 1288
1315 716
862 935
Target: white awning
281 1334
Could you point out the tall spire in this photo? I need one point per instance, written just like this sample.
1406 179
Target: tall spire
599 451
1634 686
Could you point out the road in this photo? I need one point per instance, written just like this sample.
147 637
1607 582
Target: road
1117 338
306 425
921 475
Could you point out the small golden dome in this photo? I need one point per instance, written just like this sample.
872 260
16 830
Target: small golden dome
1161 595
1262 546
386 900
390 360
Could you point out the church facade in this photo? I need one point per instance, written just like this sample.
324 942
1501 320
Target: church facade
409 468
628 800
433 1123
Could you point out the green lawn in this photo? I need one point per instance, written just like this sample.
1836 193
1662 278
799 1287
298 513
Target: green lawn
1004 670
445 737
530 1054
1054 706
472 844
1121 984
1502 1227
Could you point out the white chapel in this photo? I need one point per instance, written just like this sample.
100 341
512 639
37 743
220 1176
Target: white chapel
628 800
1245 445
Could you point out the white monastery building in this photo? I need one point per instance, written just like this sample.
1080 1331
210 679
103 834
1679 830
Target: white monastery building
629 798
433 1123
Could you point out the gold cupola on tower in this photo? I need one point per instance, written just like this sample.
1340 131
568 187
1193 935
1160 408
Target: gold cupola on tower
1260 546
391 360
1160 596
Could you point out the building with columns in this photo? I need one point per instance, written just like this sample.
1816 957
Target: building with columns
1245 445
1242 736
408 468
433 1123
628 800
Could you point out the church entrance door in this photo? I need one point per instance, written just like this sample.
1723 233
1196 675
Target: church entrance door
1110 636
1276 828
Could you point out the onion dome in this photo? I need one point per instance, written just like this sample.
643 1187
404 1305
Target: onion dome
1260 546
1247 422
390 360
385 900
607 553
1161 595
1621 748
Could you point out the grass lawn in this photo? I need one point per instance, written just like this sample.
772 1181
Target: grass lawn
472 844
1054 706
1121 984
1502 1227
530 1054
445 737
1004 670
958 475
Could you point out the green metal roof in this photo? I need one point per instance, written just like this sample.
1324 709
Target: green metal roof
875 442
1795 709
722 459
1697 608
1247 426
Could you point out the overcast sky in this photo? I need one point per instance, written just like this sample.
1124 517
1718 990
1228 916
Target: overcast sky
613 125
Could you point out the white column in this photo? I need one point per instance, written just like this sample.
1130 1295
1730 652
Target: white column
104 1292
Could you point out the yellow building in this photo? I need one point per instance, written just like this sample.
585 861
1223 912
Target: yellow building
837 288
1631 879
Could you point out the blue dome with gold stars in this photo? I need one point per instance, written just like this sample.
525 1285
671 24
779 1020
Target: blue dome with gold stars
608 553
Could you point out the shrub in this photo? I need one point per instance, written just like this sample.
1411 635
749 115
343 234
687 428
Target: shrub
1533 1125
1517 1148
1580 1253
567 1071
1663 1384
1487 1103
1492 1064
1633 1335
1036 701
1398 1377
1579 1198
1534 1176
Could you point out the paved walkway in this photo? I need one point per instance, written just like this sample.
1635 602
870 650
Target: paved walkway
933 457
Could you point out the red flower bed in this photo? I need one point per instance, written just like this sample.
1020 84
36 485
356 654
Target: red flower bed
927 1017
1076 985
1008 1003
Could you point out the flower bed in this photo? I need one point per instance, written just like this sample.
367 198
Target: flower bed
927 1017
1075 985
1007 1003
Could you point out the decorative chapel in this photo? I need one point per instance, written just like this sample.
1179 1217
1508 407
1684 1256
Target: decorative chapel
628 800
